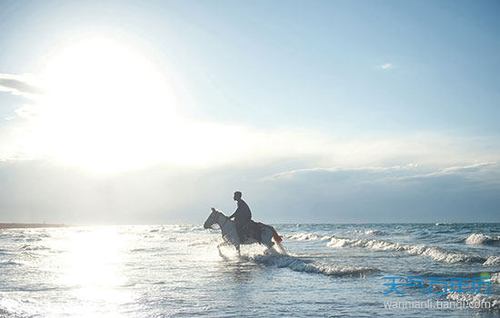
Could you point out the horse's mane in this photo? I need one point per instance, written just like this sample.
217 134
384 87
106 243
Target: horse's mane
219 212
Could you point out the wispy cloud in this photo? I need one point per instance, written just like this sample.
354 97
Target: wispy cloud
465 192
19 85
454 170
398 173
313 195
386 66
367 169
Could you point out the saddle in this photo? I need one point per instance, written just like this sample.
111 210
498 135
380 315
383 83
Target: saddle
253 230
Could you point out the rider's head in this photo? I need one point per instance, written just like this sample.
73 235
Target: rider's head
237 196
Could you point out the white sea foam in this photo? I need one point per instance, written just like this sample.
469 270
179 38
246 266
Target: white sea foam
372 244
299 265
436 253
492 260
15 308
375 232
28 247
490 302
305 236
367 232
480 239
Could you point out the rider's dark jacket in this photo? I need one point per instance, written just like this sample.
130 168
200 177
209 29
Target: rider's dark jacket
242 216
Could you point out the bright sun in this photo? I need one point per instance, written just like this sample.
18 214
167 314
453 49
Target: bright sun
106 107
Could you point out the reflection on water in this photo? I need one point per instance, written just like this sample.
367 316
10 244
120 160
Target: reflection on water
92 268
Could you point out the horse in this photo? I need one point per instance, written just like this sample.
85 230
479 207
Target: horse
230 235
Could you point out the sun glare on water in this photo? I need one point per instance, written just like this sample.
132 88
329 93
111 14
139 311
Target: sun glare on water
91 266
106 107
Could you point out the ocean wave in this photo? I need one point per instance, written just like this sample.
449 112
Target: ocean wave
307 266
491 302
492 260
305 236
436 253
4 251
375 232
309 236
482 239
441 255
371 244
28 247
4 313
197 228
10 263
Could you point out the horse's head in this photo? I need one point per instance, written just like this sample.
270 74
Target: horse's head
211 219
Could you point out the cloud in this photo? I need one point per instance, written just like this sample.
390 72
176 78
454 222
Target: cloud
410 193
22 85
455 170
390 174
386 66
336 170
58 135
171 195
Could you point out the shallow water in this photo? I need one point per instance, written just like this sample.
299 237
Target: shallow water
177 270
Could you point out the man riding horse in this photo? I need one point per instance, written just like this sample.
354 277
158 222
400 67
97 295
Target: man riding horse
243 230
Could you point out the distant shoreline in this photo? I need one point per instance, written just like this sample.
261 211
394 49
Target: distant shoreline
28 225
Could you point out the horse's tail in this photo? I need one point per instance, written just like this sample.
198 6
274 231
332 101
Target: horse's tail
278 239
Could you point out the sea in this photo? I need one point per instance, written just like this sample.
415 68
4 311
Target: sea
323 270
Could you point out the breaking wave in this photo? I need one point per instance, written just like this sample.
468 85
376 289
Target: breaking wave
375 232
307 237
482 239
436 253
28 247
307 266
492 260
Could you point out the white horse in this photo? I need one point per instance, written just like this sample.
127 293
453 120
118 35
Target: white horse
230 235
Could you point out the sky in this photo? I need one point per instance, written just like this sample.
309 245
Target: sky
124 112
